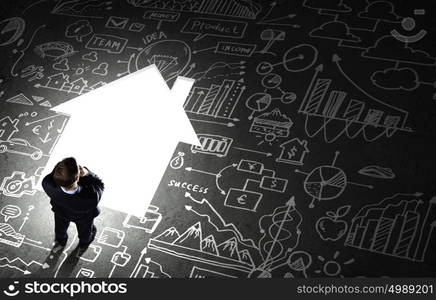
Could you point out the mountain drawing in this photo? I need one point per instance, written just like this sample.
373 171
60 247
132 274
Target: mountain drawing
191 238
208 244
191 245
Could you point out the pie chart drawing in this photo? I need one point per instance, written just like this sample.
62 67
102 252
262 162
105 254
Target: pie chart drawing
171 57
325 183
10 30
300 58
258 102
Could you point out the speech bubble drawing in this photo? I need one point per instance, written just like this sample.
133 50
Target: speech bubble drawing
214 27
10 212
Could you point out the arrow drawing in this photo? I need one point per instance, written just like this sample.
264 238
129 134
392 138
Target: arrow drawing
137 115
281 232
24 222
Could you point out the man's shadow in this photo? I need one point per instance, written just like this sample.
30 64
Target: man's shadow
52 261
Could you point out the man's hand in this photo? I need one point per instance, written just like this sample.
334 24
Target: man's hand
83 171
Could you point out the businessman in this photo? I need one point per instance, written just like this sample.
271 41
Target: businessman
74 193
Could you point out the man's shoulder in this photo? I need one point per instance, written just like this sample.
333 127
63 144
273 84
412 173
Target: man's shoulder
48 181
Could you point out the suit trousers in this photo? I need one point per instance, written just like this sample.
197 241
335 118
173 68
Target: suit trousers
84 229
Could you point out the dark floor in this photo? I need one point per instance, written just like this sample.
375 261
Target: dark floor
316 119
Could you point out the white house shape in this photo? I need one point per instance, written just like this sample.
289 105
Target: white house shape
126 132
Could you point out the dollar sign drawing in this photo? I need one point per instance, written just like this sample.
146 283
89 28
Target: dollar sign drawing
178 161
274 183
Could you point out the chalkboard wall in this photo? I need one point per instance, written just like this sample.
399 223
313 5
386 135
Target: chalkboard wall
315 119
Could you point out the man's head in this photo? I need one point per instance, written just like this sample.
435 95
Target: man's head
66 173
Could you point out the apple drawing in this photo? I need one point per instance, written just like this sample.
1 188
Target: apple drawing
329 228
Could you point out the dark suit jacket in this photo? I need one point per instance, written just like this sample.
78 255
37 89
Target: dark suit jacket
77 206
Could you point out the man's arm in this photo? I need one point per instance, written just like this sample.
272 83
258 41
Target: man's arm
91 180
48 184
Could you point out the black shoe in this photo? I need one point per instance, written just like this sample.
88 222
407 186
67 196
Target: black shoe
91 238
58 246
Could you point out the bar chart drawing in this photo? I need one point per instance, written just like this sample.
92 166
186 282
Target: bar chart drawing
401 226
217 101
336 113
232 8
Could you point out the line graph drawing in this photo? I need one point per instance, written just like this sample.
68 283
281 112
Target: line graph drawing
222 226
20 265
220 69
280 236
283 20
340 114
